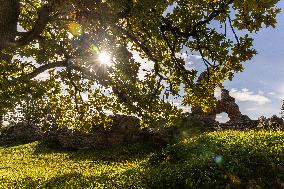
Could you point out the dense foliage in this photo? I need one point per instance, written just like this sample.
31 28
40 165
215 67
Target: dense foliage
73 35
227 159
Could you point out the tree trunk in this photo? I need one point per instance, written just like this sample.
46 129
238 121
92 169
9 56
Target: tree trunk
9 14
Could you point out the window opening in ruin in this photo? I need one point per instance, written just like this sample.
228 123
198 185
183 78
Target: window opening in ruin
222 117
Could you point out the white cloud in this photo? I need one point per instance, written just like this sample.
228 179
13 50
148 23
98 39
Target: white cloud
178 104
280 92
197 57
188 57
184 56
271 93
222 118
260 92
254 112
245 95
189 61
252 109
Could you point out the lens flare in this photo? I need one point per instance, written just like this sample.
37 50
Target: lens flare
75 29
218 159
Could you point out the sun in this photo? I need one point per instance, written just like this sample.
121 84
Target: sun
105 58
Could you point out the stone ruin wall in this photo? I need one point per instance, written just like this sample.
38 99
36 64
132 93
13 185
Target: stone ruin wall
127 128
237 120
227 104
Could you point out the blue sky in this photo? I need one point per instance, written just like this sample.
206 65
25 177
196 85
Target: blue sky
260 88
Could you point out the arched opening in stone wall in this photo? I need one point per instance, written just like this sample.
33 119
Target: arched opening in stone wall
222 117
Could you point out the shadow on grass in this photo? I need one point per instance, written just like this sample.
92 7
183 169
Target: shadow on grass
70 180
131 178
10 142
112 153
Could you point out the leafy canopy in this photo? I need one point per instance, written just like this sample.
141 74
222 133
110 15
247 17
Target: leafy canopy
67 38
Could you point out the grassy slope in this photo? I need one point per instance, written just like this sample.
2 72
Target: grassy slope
219 159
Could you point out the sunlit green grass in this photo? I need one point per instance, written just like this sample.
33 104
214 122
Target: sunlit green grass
35 165
229 159
212 160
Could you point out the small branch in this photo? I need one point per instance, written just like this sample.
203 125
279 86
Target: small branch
191 32
206 62
213 15
233 30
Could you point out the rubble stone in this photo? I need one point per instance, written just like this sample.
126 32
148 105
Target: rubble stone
270 123
23 131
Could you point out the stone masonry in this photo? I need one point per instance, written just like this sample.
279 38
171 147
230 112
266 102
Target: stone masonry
228 105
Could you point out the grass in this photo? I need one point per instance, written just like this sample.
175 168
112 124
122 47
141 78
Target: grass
34 165
229 159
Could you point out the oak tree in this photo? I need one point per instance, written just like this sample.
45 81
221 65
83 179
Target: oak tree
87 48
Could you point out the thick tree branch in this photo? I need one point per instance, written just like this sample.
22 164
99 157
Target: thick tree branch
46 67
98 75
43 19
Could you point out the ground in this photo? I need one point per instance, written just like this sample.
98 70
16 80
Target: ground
229 159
